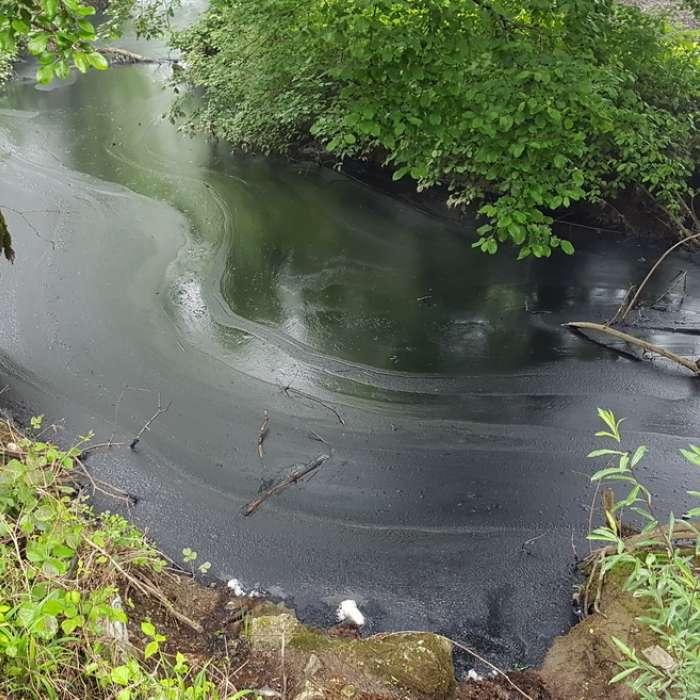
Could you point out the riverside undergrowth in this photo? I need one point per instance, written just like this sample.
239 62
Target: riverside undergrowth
62 568
523 107
662 567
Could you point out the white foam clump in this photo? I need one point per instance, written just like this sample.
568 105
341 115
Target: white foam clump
474 676
235 585
349 611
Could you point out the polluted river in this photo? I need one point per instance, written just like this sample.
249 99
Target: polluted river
456 412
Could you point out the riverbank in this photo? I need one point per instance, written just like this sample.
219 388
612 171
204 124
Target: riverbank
89 609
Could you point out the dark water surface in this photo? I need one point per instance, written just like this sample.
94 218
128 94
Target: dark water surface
151 263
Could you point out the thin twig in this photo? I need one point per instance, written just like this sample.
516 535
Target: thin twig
293 478
147 425
655 266
650 347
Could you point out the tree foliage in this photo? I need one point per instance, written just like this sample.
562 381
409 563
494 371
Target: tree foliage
62 36
524 107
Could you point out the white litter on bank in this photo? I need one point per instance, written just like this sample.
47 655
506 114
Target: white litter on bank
235 585
349 611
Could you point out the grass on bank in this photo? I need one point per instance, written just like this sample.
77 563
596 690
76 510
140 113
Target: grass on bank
64 574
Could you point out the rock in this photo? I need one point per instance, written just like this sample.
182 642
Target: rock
659 657
267 632
313 666
415 665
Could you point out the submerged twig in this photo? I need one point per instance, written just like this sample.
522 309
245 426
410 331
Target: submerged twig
293 478
262 432
330 408
681 275
632 340
651 272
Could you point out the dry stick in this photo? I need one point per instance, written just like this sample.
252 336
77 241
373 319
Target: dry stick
587 325
293 478
632 303
262 433
117 494
147 589
147 425
463 648
622 306
287 389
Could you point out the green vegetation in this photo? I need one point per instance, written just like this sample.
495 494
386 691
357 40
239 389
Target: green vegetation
661 565
61 35
62 569
523 106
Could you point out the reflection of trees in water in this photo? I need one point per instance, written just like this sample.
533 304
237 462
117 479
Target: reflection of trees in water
351 282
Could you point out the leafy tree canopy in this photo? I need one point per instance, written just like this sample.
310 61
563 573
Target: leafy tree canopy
61 33
523 106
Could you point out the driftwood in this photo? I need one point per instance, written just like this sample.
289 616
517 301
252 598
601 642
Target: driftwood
691 365
123 57
293 478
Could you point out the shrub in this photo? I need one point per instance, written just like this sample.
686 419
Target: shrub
61 567
524 106
663 572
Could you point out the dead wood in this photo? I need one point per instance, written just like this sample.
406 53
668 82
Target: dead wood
632 340
293 478
651 272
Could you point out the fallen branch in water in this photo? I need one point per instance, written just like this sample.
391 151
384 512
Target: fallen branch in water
293 478
262 432
632 340
621 316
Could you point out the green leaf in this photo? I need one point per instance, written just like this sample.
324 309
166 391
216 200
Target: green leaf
37 44
120 675
567 247
151 648
97 61
148 628
51 6
45 74
81 61
604 452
